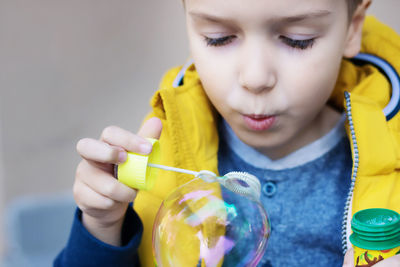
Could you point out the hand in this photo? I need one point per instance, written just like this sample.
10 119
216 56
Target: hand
102 199
349 258
389 262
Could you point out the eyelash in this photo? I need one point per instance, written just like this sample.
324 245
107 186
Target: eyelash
297 44
219 41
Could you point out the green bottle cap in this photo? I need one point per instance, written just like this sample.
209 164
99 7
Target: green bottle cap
376 229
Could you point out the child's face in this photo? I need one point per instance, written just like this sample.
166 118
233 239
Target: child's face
269 66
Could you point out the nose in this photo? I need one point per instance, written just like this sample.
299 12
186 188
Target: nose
257 71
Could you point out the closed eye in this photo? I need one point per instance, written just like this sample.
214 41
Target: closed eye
297 44
219 41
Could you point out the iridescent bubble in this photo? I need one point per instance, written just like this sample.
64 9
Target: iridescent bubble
205 224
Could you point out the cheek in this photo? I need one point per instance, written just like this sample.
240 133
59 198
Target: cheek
316 70
311 84
213 68
212 82
215 72
323 69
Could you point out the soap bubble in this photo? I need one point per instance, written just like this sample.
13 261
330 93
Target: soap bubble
205 224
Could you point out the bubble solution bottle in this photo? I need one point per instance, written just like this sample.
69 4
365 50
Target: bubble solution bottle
376 236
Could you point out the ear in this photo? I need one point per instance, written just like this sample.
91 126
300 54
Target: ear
354 32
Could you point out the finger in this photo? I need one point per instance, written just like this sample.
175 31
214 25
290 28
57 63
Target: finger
119 137
349 258
151 128
105 184
88 200
98 151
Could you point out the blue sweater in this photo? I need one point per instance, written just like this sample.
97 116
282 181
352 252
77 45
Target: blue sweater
85 250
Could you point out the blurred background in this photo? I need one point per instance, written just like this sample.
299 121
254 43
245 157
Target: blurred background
67 70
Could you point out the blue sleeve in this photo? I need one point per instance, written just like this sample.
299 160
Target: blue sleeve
83 249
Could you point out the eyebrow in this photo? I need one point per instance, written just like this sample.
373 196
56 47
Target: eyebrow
287 20
208 17
307 16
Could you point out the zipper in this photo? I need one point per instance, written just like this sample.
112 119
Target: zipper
347 208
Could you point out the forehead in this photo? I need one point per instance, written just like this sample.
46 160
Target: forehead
249 9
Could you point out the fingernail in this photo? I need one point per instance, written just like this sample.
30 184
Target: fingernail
145 148
122 156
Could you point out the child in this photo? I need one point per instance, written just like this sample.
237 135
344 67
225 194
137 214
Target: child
269 93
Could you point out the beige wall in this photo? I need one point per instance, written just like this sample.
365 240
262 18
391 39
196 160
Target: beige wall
387 11
2 192
70 67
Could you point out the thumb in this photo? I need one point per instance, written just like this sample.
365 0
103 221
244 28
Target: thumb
349 258
151 128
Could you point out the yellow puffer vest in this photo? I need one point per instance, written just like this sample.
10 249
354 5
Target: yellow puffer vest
190 139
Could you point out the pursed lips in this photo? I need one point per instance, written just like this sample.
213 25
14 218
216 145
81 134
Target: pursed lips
259 122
